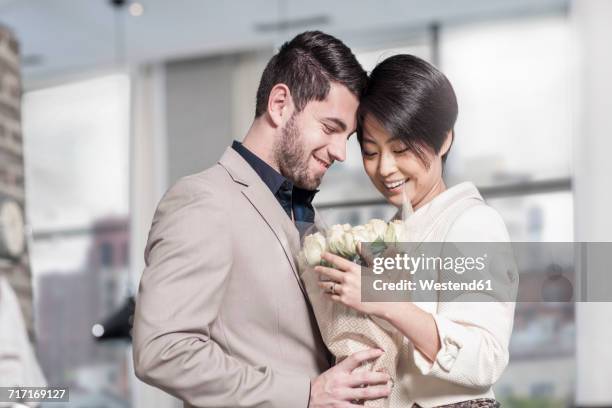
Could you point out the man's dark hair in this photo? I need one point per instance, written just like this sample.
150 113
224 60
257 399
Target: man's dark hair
307 64
413 101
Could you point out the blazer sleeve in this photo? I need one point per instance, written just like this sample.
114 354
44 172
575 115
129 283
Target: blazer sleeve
474 336
188 260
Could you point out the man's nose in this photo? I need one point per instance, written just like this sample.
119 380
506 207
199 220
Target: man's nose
337 149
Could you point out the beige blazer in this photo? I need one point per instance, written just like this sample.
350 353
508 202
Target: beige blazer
221 317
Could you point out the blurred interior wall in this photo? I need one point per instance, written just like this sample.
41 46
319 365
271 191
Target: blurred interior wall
184 115
11 164
593 195
209 101
148 174
198 113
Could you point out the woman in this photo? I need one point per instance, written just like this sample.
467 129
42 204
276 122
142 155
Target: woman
455 351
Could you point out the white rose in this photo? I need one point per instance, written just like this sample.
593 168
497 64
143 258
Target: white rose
302 262
314 246
334 238
340 240
363 234
396 232
349 246
378 228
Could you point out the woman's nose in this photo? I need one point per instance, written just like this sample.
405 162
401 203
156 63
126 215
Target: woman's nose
387 165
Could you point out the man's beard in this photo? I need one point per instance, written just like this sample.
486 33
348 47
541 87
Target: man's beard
291 157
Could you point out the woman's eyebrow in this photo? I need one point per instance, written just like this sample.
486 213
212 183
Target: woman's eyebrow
366 139
394 139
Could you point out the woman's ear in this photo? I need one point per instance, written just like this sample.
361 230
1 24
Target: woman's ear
280 104
447 143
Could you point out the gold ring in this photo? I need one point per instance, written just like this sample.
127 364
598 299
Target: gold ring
333 288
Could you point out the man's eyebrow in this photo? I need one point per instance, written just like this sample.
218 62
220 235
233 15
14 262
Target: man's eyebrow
338 122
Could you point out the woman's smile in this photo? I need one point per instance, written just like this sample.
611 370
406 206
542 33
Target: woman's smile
395 186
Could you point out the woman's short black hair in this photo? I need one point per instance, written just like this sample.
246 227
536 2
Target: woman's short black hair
307 64
413 101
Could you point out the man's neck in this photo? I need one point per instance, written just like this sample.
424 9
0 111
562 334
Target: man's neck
260 141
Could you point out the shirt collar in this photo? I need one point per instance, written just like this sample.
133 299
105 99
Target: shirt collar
272 178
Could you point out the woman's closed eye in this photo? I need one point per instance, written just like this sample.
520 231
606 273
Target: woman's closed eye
368 154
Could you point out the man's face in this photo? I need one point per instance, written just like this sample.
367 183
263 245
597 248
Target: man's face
314 138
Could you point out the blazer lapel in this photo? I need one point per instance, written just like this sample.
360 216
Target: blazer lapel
259 195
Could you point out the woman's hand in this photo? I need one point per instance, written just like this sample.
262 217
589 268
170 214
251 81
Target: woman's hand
344 285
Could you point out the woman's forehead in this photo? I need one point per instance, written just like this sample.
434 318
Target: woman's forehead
374 132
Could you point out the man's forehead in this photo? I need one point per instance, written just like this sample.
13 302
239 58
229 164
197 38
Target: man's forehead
338 109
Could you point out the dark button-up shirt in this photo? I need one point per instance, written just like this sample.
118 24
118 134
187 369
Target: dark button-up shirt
290 197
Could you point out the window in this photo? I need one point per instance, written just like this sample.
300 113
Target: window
542 390
513 80
76 155
106 254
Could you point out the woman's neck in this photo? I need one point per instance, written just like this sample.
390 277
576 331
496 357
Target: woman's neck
438 188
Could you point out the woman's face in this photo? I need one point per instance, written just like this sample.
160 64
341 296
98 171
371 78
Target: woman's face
393 168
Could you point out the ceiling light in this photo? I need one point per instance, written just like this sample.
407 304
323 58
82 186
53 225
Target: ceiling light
136 9
97 330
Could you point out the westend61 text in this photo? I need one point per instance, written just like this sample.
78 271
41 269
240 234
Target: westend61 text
430 285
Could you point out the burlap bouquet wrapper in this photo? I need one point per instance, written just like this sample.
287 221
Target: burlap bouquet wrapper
346 331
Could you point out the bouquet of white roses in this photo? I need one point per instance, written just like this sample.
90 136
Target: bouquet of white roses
344 330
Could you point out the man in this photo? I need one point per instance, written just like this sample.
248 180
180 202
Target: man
222 319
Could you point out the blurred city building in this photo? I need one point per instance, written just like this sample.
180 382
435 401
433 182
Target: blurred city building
69 303
12 166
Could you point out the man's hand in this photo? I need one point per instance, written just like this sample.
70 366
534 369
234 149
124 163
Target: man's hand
342 385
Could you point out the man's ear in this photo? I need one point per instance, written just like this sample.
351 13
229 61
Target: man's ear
280 104
448 142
